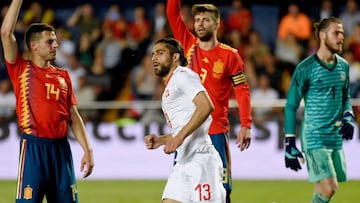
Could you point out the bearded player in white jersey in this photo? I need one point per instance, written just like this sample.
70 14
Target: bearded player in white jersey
197 174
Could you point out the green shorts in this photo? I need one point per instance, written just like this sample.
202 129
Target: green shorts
326 163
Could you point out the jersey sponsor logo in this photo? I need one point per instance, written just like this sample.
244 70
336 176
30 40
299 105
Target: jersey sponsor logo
205 60
218 69
28 191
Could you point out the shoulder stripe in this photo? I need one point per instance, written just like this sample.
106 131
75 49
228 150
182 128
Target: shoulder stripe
227 47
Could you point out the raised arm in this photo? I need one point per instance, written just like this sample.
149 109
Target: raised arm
177 25
7 31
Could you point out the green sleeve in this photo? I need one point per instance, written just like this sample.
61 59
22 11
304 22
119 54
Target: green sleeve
296 92
346 95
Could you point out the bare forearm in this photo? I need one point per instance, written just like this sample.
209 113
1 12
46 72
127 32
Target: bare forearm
10 19
7 31
78 128
164 139
202 111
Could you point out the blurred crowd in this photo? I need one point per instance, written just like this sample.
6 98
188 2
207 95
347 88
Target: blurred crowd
108 52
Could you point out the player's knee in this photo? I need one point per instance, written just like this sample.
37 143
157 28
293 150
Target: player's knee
329 190
170 201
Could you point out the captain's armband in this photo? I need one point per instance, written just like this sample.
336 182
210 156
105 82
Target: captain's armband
238 79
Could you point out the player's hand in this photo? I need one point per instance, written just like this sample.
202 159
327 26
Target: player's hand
243 139
292 154
87 164
347 125
151 141
172 144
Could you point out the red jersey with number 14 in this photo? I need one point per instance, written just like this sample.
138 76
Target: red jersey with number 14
221 70
43 98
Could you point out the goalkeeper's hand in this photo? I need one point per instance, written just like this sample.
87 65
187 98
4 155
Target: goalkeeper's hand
347 125
292 154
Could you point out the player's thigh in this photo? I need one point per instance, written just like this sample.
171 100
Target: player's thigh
175 185
338 157
196 181
320 164
32 173
64 189
205 178
220 142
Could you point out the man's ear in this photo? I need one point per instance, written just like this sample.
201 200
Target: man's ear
322 35
176 57
33 45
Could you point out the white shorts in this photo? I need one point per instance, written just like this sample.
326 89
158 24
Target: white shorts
199 180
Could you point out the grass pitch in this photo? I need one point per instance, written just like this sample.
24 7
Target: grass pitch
149 191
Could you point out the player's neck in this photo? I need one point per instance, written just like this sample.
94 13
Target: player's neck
325 55
168 76
207 45
40 62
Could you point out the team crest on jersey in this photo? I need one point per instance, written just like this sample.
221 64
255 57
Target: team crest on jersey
28 191
218 69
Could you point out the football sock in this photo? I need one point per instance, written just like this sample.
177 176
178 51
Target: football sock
318 198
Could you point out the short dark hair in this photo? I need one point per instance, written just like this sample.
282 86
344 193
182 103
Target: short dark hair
34 30
175 47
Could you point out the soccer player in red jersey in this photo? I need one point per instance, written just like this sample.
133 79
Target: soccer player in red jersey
221 70
45 107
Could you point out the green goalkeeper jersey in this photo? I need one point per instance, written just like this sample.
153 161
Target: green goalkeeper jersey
325 90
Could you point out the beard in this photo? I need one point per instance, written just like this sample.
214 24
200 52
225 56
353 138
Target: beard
333 48
163 70
205 37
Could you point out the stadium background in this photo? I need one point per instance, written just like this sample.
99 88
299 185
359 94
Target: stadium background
121 156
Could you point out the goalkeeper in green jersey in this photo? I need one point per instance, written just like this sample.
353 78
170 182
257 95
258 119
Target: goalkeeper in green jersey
322 80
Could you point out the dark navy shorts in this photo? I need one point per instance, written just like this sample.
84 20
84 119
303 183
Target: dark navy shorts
45 169
220 142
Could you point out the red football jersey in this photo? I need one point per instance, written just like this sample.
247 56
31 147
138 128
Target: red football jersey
221 70
43 98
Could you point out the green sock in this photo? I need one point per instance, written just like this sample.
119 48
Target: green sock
318 198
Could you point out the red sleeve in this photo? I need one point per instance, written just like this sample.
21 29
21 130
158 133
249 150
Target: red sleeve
177 25
242 92
72 98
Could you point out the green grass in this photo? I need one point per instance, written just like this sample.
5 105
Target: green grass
149 191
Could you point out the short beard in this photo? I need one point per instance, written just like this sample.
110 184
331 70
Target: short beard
332 50
206 37
162 71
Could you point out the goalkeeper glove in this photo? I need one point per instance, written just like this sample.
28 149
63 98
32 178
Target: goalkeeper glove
292 154
347 125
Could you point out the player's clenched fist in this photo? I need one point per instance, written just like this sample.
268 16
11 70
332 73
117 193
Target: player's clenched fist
151 141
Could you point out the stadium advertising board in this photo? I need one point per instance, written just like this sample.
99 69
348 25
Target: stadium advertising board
120 153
